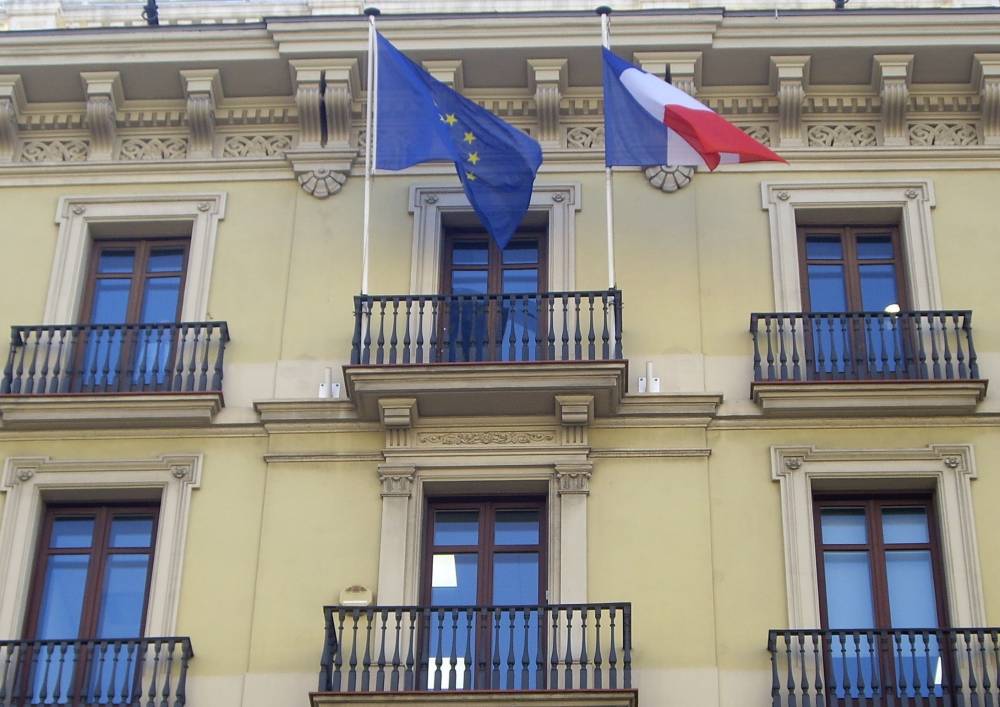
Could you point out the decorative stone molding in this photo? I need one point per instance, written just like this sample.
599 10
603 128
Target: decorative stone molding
493 438
12 104
842 135
547 78
986 79
682 68
321 173
342 82
27 481
203 89
153 148
950 469
914 200
585 137
575 409
256 146
307 75
50 412
760 133
819 399
104 95
790 81
943 134
398 412
891 75
669 178
447 71
71 150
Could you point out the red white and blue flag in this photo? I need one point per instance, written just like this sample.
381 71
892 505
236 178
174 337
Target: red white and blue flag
649 122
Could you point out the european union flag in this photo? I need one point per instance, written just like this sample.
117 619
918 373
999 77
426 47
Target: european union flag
421 119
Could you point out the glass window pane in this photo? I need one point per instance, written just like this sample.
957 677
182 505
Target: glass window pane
911 589
515 578
159 302
470 253
826 288
520 281
72 532
110 301
875 247
123 596
116 261
521 252
469 282
62 596
848 590
166 260
824 248
843 526
517 527
878 287
456 527
905 525
454 579
131 532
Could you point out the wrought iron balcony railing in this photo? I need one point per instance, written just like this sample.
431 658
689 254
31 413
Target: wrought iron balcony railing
111 671
957 667
407 648
860 346
177 357
543 326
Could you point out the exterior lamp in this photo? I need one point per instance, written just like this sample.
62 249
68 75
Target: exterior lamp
891 308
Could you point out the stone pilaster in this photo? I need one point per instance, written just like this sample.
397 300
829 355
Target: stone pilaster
790 81
342 82
203 89
891 75
103 90
12 103
986 78
548 79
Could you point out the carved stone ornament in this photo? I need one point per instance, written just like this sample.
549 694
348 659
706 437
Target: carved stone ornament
952 462
793 463
574 478
321 182
457 439
396 481
25 473
669 179
180 471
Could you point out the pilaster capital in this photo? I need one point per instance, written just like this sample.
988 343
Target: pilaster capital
574 478
397 479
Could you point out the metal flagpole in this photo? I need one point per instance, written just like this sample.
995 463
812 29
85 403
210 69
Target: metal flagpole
604 11
370 144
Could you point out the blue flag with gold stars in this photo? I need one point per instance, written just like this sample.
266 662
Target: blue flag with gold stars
421 119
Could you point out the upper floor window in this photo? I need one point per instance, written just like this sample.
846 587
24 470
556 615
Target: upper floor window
851 268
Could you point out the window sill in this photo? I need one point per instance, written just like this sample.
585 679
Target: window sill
32 412
830 398
549 698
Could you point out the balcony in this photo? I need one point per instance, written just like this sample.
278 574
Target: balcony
487 655
830 363
109 671
453 354
885 667
92 375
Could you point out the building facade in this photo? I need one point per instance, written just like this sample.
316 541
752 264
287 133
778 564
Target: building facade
756 469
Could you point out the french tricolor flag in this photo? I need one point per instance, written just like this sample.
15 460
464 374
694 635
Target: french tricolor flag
649 122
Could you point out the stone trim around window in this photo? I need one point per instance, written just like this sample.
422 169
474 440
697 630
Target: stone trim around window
947 469
564 475
26 481
913 198
428 202
77 217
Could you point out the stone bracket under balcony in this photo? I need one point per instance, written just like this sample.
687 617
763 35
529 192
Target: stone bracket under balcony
480 698
956 397
26 412
489 389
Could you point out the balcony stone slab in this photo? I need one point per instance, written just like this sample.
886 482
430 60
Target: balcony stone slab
487 388
954 397
477 698
33 412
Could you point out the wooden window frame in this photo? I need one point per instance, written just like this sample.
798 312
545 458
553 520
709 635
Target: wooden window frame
494 259
139 275
848 236
99 552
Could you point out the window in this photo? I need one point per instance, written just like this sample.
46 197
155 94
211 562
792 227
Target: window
879 568
489 328
91 581
130 282
851 269
484 554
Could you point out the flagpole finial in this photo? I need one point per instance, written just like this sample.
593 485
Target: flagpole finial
603 10
372 11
